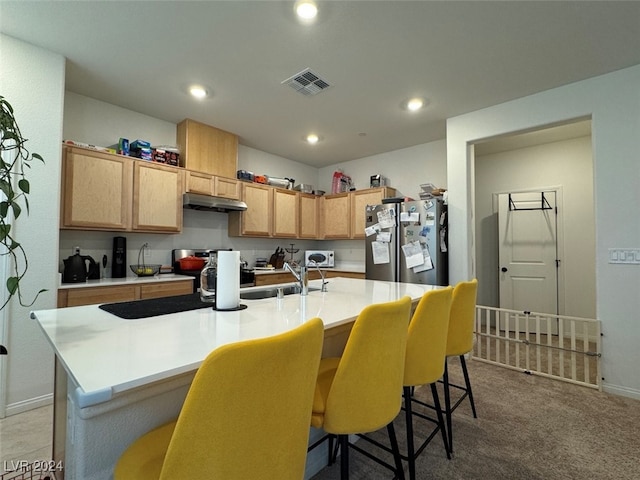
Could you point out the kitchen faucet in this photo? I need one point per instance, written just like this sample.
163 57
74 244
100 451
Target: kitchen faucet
302 277
324 283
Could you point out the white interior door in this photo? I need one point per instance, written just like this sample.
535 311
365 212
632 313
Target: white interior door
528 257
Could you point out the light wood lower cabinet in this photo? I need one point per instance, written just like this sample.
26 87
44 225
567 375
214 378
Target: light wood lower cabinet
286 277
74 297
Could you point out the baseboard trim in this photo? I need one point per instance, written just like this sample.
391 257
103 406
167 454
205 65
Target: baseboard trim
621 391
29 404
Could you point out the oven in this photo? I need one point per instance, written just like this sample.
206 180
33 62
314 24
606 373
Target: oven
247 275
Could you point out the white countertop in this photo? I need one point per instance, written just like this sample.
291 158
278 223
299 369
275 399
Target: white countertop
105 354
109 282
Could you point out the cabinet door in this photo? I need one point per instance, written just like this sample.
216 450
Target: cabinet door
309 222
207 149
256 220
166 289
96 190
285 213
226 187
157 198
336 216
359 201
93 295
198 182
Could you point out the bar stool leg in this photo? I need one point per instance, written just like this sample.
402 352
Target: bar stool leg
344 456
468 385
396 451
438 409
411 456
447 405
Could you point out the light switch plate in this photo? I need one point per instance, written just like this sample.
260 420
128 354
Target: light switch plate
629 256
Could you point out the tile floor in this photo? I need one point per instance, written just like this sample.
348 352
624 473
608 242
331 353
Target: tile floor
26 436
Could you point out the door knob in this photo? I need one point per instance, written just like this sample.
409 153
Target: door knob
504 269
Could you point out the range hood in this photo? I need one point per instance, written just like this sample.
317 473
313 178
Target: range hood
215 204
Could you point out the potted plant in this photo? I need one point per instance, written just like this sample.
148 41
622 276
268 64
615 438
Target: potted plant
15 158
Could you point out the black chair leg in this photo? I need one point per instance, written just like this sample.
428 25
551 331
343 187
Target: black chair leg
343 440
441 424
468 385
411 455
447 406
396 451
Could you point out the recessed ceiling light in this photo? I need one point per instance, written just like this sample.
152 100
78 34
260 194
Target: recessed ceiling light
198 91
312 138
306 9
415 104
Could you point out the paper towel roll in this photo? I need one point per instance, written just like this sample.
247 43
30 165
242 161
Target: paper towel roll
228 281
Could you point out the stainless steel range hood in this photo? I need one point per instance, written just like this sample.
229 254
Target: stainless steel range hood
215 204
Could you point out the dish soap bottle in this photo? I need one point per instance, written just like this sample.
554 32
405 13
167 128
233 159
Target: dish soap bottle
208 280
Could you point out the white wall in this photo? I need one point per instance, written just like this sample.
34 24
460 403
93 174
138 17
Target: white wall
567 164
613 102
32 80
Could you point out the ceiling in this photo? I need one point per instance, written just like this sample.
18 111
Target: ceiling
461 55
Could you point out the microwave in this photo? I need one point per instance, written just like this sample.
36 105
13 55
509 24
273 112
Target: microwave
321 258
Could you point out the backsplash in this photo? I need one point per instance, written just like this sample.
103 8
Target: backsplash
200 230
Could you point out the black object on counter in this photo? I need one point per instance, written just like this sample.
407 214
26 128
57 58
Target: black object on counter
76 269
119 258
153 307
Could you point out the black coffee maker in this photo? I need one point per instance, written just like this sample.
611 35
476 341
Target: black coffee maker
78 268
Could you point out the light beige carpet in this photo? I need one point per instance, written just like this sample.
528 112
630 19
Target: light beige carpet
529 428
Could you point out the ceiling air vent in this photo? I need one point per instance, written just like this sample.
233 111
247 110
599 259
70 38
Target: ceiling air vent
307 83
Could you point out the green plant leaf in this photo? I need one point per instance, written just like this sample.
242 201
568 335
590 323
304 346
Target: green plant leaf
36 155
23 184
4 231
4 209
16 209
12 284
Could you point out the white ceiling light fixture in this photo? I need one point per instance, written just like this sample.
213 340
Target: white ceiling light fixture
198 91
306 10
312 139
415 104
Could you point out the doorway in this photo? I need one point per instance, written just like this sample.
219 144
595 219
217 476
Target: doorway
556 159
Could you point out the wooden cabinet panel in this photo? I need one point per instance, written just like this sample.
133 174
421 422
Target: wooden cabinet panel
336 216
96 190
157 198
207 149
359 201
198 182
93 295
256 220
285 213
309 222
226 187
166 289
73 297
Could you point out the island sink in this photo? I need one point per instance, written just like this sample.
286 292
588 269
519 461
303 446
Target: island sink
272 292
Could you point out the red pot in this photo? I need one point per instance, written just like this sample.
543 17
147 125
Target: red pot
191 263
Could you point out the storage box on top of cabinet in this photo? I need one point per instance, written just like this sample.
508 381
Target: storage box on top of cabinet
207 149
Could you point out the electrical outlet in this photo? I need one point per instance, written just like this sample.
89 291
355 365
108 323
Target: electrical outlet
624 255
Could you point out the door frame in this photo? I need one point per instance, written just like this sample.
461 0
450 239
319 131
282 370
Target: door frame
559 234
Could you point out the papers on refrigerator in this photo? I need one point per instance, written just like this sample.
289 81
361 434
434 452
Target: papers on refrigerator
413 254
380 252
387 218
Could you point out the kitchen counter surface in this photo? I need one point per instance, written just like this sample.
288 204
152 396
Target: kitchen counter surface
105 354
108 282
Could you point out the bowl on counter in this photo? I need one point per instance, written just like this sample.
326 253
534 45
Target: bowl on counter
319 192
145 270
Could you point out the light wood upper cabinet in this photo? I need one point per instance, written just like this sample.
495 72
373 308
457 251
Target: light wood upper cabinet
336 216
359 201
285 213
102 191
309 213
206 184
207 149
96 190
157 198
256 220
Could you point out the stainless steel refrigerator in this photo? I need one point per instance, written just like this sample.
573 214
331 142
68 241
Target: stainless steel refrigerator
407 242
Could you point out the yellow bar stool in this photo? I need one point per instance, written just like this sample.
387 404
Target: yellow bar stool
459 343
246 415
424 365
360 392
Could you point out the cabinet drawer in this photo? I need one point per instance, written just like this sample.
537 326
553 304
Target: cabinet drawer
166 289
90 296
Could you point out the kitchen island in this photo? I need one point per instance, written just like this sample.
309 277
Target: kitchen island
125 377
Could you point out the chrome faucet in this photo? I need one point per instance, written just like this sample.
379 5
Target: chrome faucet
302 277
324 283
